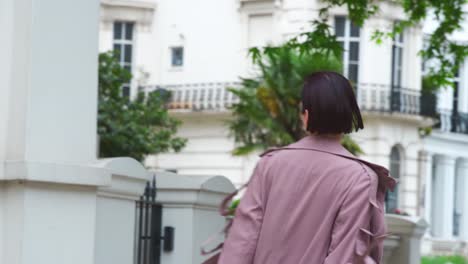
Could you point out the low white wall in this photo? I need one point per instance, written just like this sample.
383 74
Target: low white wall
115 211
404 246
190 205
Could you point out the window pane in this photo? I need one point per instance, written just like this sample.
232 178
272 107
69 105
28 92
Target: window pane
129 31
398 80
128 53
177 56
391 201
397 65
117 49
395 160
391 198
400 57
353 72
354 51
354 30
126 90
117 30
260 30
342 48
340 26
128 68
118 52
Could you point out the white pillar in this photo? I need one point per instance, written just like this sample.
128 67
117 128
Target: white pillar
409 231
462 172
443 197
426 171
48 80
191 206
48 106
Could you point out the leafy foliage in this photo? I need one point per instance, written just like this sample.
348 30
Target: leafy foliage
444 260
132 127
268 112
446 54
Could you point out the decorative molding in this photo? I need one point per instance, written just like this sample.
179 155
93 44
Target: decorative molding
55 173
259 4
182 191
139 11
128 178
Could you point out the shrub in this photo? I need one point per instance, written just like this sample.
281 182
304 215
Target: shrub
444 260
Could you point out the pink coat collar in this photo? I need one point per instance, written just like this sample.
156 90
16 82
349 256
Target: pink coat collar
333 146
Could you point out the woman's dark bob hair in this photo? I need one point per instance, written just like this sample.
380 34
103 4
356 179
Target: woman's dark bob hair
329 98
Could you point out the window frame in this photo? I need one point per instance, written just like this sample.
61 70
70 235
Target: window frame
398 44
347 39
123 42
171 50
397 175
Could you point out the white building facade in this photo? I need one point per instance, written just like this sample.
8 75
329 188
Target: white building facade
445 198
197 49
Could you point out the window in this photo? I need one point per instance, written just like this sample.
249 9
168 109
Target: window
456 92
123 46
177 56
391 198
455 115
348 35
397 60
425 62
260 30
397 65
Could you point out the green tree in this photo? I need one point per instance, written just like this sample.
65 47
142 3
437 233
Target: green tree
446 54
268 112
132 127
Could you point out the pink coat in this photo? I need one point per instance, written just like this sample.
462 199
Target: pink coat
311 202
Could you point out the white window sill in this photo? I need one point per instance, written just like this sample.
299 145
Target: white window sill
176 69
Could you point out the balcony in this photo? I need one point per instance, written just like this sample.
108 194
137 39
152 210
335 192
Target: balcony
385 99
452 121
198 97
214 97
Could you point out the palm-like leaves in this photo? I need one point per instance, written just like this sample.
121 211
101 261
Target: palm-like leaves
268 111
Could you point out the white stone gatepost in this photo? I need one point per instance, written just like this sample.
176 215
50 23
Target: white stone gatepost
116 210
52 205
190 205
405 242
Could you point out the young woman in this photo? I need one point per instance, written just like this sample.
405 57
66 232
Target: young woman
313 202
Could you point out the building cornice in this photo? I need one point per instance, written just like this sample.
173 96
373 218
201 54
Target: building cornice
141 12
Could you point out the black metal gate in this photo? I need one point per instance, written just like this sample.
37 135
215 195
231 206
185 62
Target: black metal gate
148 228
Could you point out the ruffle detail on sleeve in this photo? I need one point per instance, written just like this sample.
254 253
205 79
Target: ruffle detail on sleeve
365 243
378 185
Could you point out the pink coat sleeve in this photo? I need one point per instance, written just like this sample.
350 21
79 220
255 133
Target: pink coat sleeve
352 240
241 242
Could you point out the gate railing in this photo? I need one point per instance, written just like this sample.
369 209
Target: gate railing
148 228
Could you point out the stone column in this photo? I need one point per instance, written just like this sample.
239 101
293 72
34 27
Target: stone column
444 185
190 205
426 178
404 247
462 172
49 181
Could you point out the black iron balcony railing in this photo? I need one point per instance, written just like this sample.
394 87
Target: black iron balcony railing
209 96
450 121
385 98
214 96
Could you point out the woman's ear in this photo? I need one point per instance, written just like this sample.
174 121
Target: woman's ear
305 119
